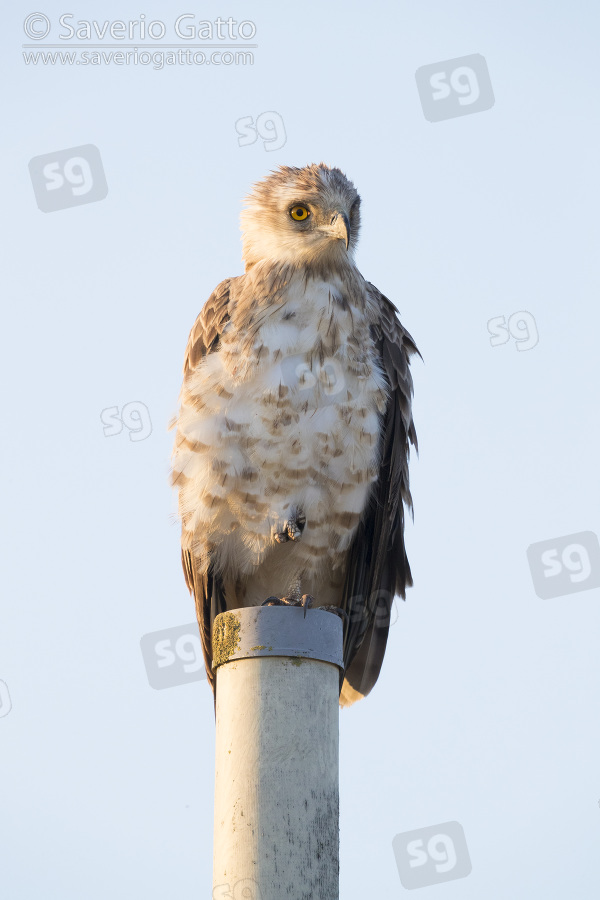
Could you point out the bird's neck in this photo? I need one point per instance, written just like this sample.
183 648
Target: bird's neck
270 277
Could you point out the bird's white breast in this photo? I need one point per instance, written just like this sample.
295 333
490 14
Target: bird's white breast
295 422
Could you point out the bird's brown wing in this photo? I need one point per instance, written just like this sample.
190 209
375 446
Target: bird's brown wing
208 327
377 567
207 590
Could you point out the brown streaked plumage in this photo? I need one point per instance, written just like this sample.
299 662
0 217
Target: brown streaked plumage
293 433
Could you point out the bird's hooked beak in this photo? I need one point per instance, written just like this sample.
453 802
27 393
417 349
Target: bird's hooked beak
339 228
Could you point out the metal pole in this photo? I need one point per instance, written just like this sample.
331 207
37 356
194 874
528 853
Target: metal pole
276 827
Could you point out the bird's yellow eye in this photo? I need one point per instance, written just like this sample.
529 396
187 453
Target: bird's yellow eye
299 213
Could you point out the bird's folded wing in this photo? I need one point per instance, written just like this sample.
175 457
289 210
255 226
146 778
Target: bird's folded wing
377 565
207 590
208 327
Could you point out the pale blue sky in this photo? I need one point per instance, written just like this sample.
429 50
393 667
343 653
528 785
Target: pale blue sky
486 711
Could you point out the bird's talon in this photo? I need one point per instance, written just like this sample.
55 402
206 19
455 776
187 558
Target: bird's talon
292 529
306 602
284 601
272 601
338 611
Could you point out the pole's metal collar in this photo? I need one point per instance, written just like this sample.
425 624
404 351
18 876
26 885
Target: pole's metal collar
277 631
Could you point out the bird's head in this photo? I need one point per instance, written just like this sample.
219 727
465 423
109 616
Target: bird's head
301 216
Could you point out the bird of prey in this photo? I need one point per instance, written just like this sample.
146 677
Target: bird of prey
293 431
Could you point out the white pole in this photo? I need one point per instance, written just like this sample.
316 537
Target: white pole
276 828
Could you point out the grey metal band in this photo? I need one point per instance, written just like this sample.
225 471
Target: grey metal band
277 631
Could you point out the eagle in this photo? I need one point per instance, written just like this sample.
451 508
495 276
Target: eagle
294 426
